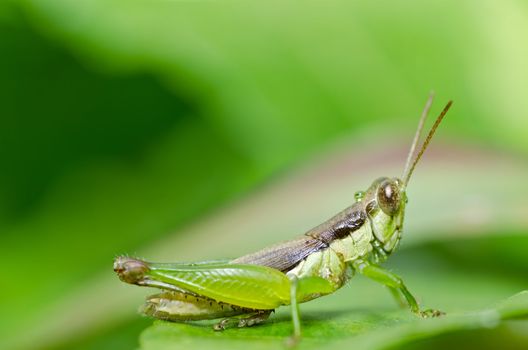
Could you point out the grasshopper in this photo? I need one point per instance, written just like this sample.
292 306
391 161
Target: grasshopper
244 291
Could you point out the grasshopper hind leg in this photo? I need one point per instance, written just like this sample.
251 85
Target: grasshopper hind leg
244 320
181 307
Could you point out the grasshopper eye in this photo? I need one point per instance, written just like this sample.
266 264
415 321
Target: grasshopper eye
389 197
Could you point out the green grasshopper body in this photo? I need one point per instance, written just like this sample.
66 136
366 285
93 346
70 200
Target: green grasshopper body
245 291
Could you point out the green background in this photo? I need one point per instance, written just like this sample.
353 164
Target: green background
188 130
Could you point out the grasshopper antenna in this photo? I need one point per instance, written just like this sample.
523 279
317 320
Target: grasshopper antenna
421 123
408 171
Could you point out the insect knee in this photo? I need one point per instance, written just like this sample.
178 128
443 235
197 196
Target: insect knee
396 282
130 270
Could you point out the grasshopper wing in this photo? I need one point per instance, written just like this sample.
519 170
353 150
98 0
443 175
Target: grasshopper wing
283 256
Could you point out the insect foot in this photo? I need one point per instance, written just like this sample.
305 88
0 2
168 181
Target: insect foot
220 326
253 319
130 270
429 313
292 341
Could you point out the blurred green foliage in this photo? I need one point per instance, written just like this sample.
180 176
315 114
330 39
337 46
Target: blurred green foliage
123 121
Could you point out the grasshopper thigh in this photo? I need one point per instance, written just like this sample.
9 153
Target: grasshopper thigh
249 286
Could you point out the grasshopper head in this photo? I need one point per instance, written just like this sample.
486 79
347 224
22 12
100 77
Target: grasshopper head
386 207
386 197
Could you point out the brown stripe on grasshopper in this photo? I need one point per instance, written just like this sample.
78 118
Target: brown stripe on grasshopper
340 226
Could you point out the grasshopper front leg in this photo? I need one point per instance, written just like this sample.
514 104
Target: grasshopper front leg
393 282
